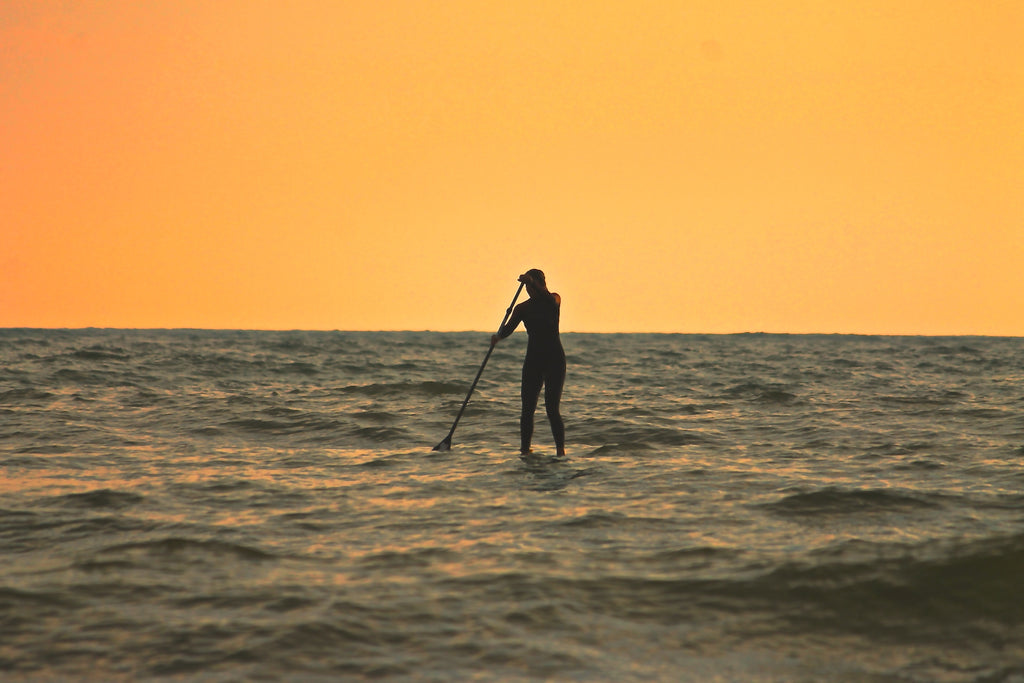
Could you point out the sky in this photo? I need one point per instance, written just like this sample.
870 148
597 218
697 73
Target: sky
840 166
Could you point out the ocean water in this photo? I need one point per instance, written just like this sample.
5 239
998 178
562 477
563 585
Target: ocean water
235 506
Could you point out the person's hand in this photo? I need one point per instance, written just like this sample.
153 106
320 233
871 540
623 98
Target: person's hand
526 279
495 339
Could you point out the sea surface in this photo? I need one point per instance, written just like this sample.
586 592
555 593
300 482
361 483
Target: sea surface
260 506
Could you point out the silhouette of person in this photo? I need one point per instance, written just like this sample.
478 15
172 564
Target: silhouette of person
545 359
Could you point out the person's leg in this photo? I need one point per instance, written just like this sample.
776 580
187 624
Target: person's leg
553 383
533 378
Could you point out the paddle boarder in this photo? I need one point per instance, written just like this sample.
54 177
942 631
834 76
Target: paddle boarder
545 359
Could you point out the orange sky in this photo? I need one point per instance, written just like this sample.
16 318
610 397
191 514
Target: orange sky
850 166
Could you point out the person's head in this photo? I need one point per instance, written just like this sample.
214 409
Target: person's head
538 276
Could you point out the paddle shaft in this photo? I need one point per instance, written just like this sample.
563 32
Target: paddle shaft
479 372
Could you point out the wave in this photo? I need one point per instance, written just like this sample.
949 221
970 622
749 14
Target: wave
923 398
101 499
99 352
380 435
15 602
621 435
618 449
379 416
415 557
618 521
923 594
882 593
699 554
176 546
428 388
89 376
259 425
837 501
302 422
767 394
27 395
297 368
308 428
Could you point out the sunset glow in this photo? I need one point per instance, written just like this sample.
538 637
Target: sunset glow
673 166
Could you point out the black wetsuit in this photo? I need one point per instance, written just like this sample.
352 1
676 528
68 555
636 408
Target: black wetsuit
544 364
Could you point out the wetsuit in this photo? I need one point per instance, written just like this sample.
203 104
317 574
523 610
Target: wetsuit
544 364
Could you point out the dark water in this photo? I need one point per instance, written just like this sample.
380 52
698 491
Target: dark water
221 506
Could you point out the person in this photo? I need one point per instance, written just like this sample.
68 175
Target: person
544 364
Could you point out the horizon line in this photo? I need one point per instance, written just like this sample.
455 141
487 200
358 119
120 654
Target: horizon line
484 332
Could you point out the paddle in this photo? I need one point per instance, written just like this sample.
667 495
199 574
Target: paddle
446 442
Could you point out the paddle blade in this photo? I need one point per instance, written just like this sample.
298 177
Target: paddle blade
445 445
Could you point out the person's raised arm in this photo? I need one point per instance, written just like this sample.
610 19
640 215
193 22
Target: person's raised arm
509 327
